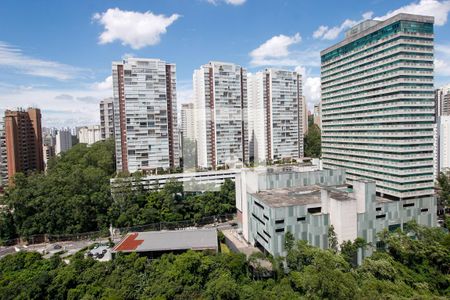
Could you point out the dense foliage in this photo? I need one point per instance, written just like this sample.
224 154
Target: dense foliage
74 196
409 268
313 141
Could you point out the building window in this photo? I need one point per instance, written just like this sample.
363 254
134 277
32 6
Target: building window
393 227
279 230
265 232
381 216
259 205
314 210
301 219
408 204
378 209
266 217
260 235
254 216
424 210
279 221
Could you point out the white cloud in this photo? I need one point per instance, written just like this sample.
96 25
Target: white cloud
132 28
327 33
60 107
12 58
442 60
276 47
104 85
311 90
438 9
231 2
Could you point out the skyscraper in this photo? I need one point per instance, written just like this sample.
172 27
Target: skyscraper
275 115
378 105
107 118
187 121
3 157
145 114
23 137
63 141
220 105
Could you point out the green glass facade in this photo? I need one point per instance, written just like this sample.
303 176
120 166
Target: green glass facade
378 106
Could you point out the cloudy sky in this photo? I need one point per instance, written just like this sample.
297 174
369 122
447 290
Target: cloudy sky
57 54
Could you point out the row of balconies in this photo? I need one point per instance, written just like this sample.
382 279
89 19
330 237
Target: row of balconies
427 104
379 113
377 66
410 38
360 88
371 76
388 173
377 141
378 154
379 134
376 162
399 149
379 120
352 103
382 55
419 126
378 92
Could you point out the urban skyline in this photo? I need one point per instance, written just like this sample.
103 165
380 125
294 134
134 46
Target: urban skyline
67 85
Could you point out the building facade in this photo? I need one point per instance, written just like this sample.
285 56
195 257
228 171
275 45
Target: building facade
378 105
443 143
145 114
3 157
107 118
23 139
442 98
63 141
89 134
220 105
317 115
306 204
275 115
48 152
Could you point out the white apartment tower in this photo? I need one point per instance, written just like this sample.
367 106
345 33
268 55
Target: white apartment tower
220 105
63 141
89 134
145 114
275 115
378 109
187 121
107 118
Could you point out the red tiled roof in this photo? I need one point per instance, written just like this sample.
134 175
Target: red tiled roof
130 243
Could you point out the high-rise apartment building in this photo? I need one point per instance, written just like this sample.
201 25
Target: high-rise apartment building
145 114
48 152
3 157
23 138
378 105
187 121
317 115
275 115
220 105
107 118
443 144
63 141
442 98
89 134
305 115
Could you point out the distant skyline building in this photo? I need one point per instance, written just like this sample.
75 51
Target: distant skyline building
305 115
220 105
145 114
187 121
23 138
107 118
48 152
63 141
443 148
378 109
317 115
442 98
89 134
275 115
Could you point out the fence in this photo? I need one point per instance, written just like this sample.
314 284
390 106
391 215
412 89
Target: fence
52 238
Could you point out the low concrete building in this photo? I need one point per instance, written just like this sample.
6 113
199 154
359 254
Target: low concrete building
156 243
271 203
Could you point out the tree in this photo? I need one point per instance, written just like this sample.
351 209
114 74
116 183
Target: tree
313 141
288 241
332 239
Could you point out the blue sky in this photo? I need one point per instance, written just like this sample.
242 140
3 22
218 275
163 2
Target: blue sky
57 54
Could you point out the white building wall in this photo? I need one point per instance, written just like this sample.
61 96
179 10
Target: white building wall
63 141
444 142
89 134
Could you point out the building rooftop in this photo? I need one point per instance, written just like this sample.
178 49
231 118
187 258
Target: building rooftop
151 241
300 195
376 26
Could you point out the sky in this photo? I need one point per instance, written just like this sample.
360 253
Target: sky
57 54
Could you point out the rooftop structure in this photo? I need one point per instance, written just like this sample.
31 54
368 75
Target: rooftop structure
156 242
